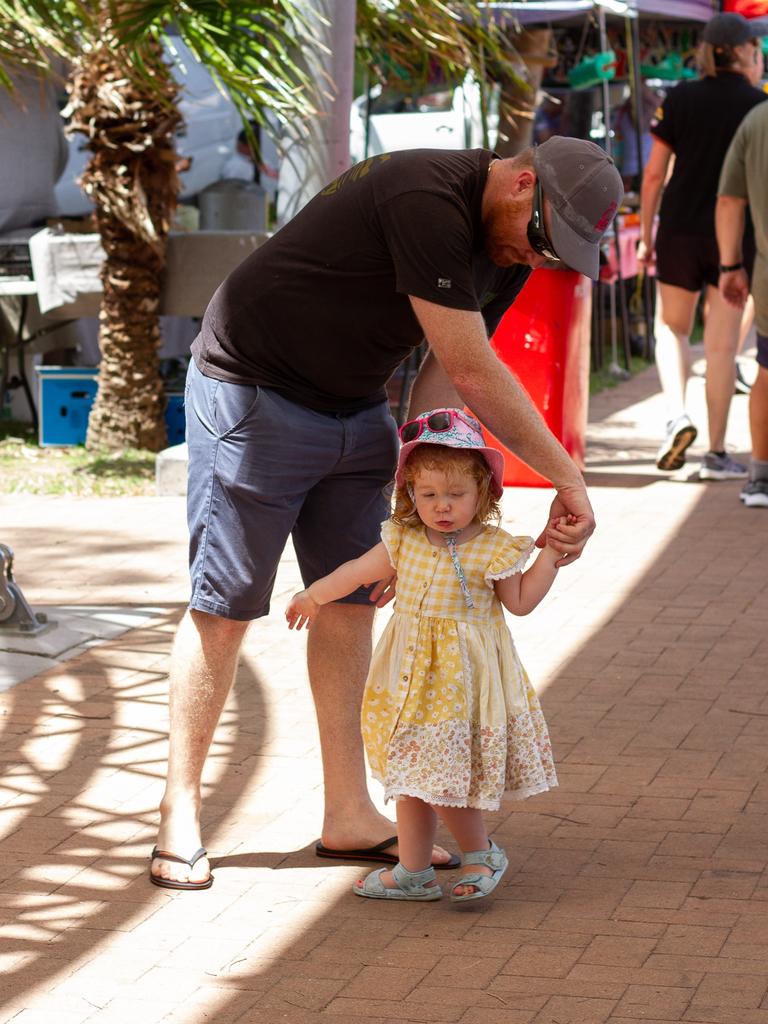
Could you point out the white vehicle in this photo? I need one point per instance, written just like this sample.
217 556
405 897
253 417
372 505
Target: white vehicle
440 117
207 137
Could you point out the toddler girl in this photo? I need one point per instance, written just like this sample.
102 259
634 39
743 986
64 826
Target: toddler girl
449 719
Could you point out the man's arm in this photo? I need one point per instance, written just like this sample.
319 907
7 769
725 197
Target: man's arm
432 388
459 341
729 226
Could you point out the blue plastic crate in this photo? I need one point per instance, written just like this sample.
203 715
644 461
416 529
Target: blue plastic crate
65 397
175 420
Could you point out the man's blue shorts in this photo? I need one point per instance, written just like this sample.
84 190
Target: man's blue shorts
261 469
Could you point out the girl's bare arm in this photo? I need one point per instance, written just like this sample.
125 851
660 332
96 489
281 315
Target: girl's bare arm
371 567
523 591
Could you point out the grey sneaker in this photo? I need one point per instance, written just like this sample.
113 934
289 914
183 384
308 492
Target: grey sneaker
681 434
754 494
721 467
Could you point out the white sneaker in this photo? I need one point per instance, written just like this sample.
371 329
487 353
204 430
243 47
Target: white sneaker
681 434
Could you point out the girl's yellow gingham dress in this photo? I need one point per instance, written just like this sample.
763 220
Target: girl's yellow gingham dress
449 714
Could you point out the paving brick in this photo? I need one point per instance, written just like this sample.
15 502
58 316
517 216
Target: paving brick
689 940
657 894
371 982
615 980
619 952
542 961
710 965
575 1010
648 1001
506 1015
365 1009
731 991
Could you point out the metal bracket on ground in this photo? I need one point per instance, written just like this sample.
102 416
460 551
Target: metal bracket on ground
16 614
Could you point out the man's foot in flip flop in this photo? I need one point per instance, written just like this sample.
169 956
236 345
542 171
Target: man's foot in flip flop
168 881
177 861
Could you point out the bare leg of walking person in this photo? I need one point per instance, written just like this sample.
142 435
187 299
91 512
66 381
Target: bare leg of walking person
721 337
675 309
203 664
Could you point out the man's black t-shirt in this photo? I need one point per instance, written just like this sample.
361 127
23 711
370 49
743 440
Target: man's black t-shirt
320 312
698 120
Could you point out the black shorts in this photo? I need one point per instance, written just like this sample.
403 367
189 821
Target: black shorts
691 261
262 469
762 350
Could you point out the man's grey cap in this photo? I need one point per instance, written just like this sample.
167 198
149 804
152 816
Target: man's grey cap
584 190
733 29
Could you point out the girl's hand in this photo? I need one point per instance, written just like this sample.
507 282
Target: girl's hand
301 611
573 507
563 531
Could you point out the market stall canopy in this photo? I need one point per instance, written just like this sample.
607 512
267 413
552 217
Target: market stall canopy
529 12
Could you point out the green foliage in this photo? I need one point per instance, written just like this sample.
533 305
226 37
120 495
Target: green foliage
409 40
252 48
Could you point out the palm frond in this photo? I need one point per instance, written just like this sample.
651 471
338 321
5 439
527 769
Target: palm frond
253 48
409 40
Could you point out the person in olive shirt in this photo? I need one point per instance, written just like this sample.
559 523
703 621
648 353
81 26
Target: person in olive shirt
694 126
289 430
744 181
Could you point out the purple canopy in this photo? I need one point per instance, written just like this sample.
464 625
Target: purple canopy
529 12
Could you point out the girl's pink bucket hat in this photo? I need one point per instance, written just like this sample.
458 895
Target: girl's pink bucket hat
463 432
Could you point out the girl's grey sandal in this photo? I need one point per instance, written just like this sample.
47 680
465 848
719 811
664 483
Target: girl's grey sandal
411 885
484 885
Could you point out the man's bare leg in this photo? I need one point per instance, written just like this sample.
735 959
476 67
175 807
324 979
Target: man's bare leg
203 664
338 655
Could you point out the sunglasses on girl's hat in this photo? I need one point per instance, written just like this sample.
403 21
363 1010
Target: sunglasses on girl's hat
437 422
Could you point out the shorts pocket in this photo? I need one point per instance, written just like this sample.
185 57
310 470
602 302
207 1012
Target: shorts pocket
232 405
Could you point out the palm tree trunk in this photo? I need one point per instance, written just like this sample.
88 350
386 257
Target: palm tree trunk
129 407
518 100
133 182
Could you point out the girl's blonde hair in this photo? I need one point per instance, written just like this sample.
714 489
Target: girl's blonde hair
454 462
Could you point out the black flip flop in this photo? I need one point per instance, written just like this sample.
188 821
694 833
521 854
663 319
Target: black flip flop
377 853
169 883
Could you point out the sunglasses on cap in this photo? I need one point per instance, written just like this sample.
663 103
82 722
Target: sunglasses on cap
537 234
437 422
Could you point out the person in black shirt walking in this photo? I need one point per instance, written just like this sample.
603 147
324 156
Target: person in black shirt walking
695 126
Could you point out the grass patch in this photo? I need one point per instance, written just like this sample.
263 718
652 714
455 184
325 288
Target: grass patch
601 379
26 468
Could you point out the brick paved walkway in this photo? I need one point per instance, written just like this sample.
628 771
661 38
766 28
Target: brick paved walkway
636 891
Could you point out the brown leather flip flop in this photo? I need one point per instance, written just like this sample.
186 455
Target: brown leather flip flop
377 853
